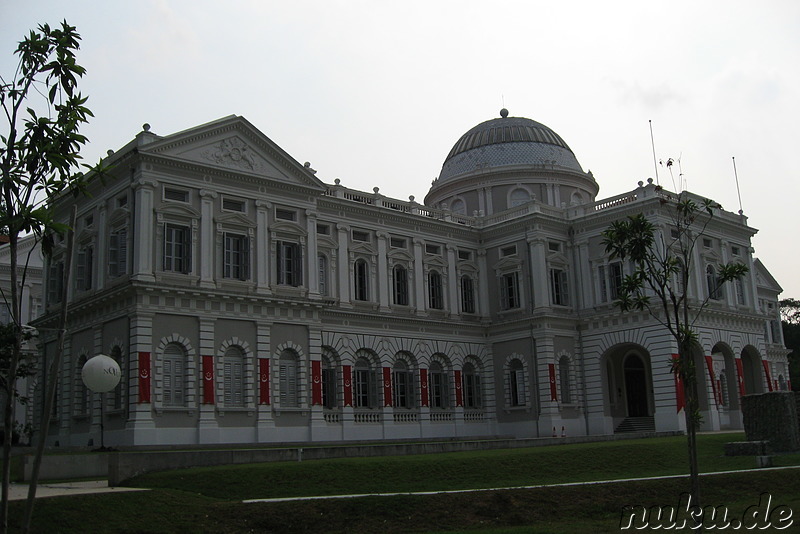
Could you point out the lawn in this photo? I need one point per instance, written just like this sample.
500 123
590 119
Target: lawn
209 499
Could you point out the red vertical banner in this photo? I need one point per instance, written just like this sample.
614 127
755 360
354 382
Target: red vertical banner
740 376
423 387
553 391
263 381
459 396
348 385
680 398
316 382
387 386
208 380
144 377
711 380
767 374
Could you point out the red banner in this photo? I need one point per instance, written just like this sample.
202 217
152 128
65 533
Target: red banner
553 391
348 385
316 382
144 377
766 372
387 386
208 380
423 387
263 381
459 397
680 399
712 381
740 376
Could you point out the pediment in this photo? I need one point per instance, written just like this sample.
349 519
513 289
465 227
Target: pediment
233 219
236 145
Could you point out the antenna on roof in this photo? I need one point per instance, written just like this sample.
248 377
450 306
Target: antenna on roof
741 211
653 143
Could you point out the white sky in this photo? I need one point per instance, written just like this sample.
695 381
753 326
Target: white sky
376 93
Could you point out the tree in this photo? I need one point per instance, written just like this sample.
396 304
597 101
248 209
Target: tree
39 160
662 258
790 322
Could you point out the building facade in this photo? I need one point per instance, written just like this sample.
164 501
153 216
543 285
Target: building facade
246 301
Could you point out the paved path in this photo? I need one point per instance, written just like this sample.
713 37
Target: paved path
19 492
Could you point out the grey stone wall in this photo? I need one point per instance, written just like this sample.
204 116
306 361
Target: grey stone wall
773 417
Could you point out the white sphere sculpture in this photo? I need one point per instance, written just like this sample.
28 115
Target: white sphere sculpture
101 373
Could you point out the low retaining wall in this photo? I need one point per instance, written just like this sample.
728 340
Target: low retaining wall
125 465
122 465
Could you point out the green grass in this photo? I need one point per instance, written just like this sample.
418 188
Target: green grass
209 499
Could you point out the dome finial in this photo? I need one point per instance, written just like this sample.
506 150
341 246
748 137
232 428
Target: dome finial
504 113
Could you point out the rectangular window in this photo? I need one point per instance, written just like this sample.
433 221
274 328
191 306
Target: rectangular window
508 251
55 279
517 383
84 268
323 229
558 287
328 387
467 294
322 266
177 248
236 257
290 264
233 204
397 242
472 390
509 291
365 390
553 246
739 291
616 277
176 195
464 255
288 383
361 236
118 253
400 285
435 297
285 215
433 249
122 201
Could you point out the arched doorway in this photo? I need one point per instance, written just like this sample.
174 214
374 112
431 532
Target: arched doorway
635 375
752 371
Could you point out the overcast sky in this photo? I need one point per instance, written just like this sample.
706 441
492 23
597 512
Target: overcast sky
376 93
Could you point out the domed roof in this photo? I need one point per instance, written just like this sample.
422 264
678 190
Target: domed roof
509 141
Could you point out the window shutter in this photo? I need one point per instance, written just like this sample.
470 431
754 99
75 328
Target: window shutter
244 270
519 376
113 254
122 258
168 369
187 251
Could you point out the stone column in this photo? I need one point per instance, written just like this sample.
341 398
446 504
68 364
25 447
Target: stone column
482 298
419 277
312 259
538 266
101 246
262 260
452 281
140 418
383 273
344 267
206 259
143 230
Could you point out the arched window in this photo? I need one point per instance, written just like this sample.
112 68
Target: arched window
117 393
233 377
364 384
518 197
438 386
458 206
564 380
402 386
288 367
472 386
516 382
435 297
400 276
361 280
329 382
174 379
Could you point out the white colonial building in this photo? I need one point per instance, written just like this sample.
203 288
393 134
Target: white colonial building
249 302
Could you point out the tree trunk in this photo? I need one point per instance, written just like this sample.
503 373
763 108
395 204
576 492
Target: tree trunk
53 374
691 414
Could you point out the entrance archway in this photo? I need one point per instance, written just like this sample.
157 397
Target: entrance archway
635 375
752 370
